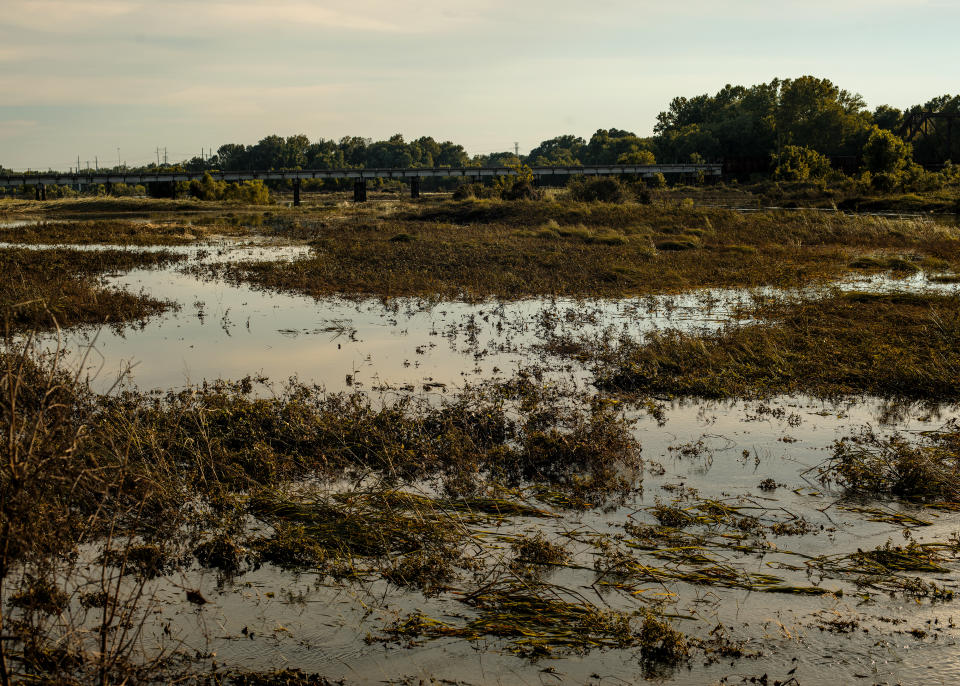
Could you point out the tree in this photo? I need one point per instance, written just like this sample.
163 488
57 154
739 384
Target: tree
756 122
451 155
608 146
885 153
233 157
390 153
678 145
814 113
796 163
887 117
637 157
325 154
354 150
562 151
267 153
295 152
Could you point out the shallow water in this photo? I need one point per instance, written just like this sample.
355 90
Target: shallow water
322 627
230 331
722 449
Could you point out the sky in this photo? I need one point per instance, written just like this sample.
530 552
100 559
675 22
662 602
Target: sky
84 78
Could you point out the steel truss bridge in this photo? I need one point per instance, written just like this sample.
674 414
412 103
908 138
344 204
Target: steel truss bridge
360 176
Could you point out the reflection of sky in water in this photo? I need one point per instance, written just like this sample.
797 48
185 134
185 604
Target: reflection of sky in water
225 331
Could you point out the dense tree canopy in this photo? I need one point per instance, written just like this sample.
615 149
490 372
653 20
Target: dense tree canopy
297 152
758 121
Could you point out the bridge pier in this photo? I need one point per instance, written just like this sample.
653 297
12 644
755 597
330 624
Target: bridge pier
296 192
40 191
360 190
415 187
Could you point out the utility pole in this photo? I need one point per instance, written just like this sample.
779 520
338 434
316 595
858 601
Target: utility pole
118 157
158 156
516 149
164 156
96 163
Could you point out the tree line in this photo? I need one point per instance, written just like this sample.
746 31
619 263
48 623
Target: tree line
795 129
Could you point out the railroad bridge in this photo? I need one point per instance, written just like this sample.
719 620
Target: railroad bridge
360 176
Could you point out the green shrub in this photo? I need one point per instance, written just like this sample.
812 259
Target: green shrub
797 163
599 189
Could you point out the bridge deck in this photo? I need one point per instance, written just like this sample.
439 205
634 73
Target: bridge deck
356 174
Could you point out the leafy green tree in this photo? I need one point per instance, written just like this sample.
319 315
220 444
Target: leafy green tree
354 150
451 155
677 145
637 157
814 113
607 146
885 153
756 122
390 153
295 153
497 159
325 154
562 151
232 157
796 163
267 153
428 150
887 117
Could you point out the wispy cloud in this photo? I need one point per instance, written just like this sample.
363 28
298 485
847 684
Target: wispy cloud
189 16
15 127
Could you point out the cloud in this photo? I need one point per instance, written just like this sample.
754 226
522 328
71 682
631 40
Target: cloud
188 17
12 128
64 15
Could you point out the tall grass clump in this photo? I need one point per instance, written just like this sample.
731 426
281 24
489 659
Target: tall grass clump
926 470
82 530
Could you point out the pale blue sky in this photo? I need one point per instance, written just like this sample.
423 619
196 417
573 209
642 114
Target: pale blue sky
84 77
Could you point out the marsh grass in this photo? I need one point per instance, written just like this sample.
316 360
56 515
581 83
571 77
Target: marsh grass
98 483
926 469
46 288
477 249
83 531
891 345
167 231
66 207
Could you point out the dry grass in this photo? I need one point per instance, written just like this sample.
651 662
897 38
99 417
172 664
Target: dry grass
44 288
888 345
480 249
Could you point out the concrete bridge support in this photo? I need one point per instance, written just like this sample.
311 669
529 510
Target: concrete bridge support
296 192
40 191
415 187
360 191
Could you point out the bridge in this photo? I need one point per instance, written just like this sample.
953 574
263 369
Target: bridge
360 176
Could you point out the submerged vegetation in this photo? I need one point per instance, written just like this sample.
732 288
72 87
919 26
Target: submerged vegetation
133 460
925 470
